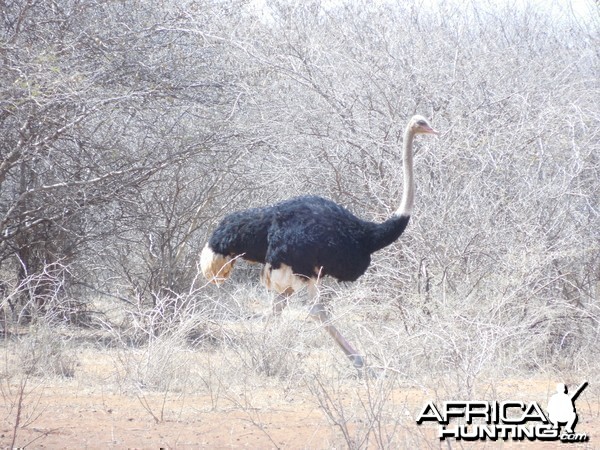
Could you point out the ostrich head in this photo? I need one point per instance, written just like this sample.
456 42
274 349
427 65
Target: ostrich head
419 125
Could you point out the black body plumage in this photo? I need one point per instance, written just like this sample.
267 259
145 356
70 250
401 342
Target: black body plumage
308 234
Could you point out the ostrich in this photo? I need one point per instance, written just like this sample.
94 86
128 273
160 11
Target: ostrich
303 238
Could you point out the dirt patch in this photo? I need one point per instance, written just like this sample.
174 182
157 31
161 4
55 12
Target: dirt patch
66 417
94 410
70 419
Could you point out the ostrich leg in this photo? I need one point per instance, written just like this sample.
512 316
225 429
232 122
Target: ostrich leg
319 313
280 302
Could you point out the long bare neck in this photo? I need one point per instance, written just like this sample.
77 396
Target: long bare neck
408 191
383 234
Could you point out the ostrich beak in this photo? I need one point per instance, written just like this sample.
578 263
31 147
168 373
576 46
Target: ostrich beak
428 130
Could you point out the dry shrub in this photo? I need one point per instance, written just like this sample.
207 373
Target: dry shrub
154 345
273 346
373 413
45 351
160 365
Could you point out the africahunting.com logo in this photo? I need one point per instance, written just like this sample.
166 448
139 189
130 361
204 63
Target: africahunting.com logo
514 420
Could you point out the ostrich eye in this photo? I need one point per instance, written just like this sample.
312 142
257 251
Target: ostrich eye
421 123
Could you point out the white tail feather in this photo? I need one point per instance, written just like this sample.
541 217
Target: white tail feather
215 267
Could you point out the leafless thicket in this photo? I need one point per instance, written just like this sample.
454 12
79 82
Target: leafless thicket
129 128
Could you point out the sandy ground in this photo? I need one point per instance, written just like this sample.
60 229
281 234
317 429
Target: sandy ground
171 396
94 420
87 411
